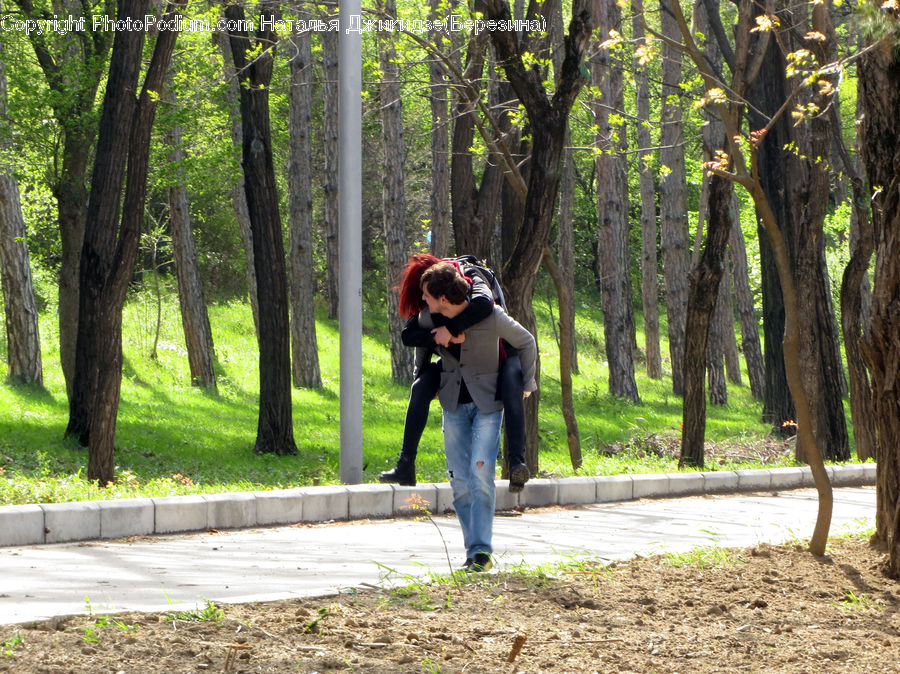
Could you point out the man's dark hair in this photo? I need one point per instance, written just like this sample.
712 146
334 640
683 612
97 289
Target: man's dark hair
444 279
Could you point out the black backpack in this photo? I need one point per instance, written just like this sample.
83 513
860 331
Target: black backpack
472 266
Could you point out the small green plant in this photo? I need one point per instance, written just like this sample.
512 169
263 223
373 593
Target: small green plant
431 666
702 558
9 644
209 613
856 602
91 634
313 625
125 627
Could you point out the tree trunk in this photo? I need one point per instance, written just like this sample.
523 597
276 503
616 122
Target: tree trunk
74 85
275 433
393 195
22 335
797 189
194 317
566 346
103 298
746 172
566 250
715 365
330 122
439 101
725 318
673 203
95 321
238 190
305 352
746 309
474 207
713 135
854 290
23 340
649 230
704 292
879 98
547 119
612 211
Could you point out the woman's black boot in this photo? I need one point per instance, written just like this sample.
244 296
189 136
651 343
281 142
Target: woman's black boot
404 473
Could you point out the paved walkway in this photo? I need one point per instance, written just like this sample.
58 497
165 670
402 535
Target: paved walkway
180 572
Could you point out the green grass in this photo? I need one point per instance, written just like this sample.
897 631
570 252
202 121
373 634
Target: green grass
173 438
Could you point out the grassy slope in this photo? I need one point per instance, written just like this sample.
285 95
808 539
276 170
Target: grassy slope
173 438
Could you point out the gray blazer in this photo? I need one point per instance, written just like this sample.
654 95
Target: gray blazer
479 361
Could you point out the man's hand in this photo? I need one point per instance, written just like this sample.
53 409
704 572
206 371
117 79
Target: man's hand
442 336
445 338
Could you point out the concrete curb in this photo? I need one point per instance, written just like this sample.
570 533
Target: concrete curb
22 525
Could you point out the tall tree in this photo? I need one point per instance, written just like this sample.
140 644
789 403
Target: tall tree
713 134
745 172
305 353
612 208
194 317
854 296
73 66
22 334
673 198
439 100
474 205
703 295
110 247
393 198
547 118
879 100
330 123
798 186
725 321
238 189
649 229
275 432
563 273
743 295
565 242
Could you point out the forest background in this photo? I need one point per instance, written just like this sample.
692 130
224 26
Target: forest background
592 163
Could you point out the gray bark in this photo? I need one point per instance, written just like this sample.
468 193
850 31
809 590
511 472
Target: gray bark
751 346
439 101
649 229
23 340
305 352
330 117
238 193
713 135
194 317
393 195
73 74
673 203
879 97
612 211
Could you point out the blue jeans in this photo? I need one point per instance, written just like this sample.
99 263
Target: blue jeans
471 443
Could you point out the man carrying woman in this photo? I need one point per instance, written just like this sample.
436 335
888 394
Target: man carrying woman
472 408
428 374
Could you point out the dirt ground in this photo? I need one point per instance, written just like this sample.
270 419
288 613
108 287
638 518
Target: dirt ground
761 609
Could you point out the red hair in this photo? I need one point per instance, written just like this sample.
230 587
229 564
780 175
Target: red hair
408 288
409 282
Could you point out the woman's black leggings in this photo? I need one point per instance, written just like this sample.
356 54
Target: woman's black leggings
510 387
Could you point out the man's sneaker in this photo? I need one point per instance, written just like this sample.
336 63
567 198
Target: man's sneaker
478 564
518 476
404 473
